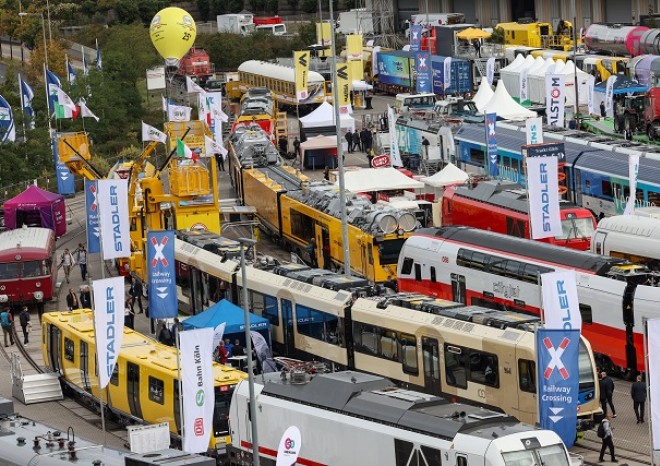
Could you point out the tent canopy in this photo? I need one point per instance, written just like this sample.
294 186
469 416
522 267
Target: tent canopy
234 316
622 85
361 86
448 176
378 179
483 95
36 207
505 107
319 142
324 115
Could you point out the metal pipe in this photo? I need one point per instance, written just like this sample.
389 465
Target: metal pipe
248 348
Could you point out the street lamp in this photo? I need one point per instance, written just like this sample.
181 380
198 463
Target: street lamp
43 30
245 242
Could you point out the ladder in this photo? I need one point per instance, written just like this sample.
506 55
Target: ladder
480 64
281 126
34 388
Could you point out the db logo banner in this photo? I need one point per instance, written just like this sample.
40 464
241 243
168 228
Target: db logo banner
199 427
380 161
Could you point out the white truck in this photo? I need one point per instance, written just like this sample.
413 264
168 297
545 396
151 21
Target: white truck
238 23
434 19
359 20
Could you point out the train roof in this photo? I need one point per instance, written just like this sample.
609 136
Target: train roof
273 70
582 260
504 194
24 240
631 225
378 399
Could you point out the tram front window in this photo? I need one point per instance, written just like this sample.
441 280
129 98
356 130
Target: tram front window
572 228
221 411
34 269
586 370
552 455
9 271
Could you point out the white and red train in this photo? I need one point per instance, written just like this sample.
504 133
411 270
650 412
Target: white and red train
503 272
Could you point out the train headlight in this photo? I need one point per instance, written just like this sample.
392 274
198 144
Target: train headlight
38 284
2 287
38 295
4 298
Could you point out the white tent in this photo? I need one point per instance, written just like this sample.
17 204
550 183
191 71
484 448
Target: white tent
324 115
378 179
448 176
511 75
505 107
361 86
483 95
569 71
536 81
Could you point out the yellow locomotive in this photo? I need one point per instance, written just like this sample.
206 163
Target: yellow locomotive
144 387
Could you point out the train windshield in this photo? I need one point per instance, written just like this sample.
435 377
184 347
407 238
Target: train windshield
9 270
552 455
576 228
586 370
389 251
221 411
34 269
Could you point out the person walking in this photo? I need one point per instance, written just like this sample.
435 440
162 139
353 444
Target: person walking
66 262
425 148
638 395
81 257
129 316
311 252
326 173
136 295
220 160
364 140
606 392
283 145
24 319
7 323
296 147
349 139
608 440
176 328
357 143
85 298
72 300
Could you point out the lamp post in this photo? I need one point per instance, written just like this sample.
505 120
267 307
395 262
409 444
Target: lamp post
43 31
245 242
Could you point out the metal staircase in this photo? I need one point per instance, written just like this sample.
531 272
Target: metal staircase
34 388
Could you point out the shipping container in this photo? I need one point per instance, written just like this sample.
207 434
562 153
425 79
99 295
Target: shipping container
461 76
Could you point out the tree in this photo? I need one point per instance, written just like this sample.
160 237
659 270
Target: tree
272 6
497 37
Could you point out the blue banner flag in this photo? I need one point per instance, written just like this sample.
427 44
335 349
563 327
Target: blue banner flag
65 181
416 37
559 381
71 72
423 67
27 94
7 126
491 144
54 83
99 60
92 208
163 302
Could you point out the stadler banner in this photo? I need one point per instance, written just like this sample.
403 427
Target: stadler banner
196 362
108 324
301 64
162 275
543 193
558 375
555 98
423 67
561 308
289 448
115 231
92 211
491 144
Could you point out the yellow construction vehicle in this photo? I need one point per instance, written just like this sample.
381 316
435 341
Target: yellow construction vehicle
536 34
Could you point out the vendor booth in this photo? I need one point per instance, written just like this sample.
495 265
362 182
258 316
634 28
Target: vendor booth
379 179
35 207
322 121
319 152
361 94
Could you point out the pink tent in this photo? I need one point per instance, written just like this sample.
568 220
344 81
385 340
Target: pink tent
36 207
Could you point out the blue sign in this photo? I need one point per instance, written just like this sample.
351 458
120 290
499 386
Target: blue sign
162 275
394 68
416 37
491 144
559 382
92 209
423 67
65 181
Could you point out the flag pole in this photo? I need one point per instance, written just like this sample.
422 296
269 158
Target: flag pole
178 371
20 93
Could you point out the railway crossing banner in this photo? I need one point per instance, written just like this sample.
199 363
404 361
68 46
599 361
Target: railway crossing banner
561 308
115 232
543 192
65 181
92 211
653 342
557 363
633 171
289 448
196 363
108 324
491 144
416 37
423 67
301 65
162 275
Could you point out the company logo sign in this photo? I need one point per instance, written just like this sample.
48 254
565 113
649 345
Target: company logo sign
491 143
158 251
555 99
199 398
380 161
198 427
93 226
555 358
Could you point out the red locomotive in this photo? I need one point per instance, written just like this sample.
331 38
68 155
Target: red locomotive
196 64
28 268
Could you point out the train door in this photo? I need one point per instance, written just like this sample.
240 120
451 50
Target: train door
598 243
458 288
431 356
84 366
133 388
323 247
196 292
54 353
287 327
177 407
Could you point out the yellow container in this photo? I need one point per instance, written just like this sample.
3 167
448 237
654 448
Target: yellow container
72 147
189 180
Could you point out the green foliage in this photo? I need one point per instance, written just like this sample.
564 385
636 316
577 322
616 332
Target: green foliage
293 3
307 33
257 5
309 6
272 6
497 37
204 7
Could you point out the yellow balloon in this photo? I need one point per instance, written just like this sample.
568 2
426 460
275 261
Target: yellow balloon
172 32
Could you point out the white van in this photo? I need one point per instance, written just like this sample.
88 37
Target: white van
274 29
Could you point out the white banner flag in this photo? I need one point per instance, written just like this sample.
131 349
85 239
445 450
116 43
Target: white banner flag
193 87
555 98
633 171
561 308
115 228
149 133
490 70
447 73
213 147
653 328
196 362
218 334
289 448
542 188
524 91
395 155
587 88
178 113
609 96
534 129
109 303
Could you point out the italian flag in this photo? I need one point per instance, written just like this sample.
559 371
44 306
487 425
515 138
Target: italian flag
184 151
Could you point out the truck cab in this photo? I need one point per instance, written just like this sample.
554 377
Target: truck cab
405 102
274 29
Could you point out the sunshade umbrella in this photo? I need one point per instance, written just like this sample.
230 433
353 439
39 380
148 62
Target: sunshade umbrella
473 33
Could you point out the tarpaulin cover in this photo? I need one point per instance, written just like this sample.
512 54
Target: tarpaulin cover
36 207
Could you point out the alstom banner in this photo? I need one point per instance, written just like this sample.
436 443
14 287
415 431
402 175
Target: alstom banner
555 98
162 275
115 231
491 144
301 64
92 209
108 324
543 193
558 376
561 308
423 67
196 362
